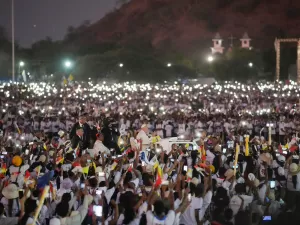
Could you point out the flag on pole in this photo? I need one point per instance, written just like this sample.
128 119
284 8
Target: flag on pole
247 145
158 176
71 78
17 127
59 160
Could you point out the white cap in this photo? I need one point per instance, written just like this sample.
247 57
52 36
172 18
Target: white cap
251 176
61 133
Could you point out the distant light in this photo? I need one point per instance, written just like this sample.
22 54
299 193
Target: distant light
121 65
169 64
210 58
250 64
68 64
22 63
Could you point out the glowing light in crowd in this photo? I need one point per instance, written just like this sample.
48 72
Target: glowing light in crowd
21 64
169 64
210 58
250 64
121 65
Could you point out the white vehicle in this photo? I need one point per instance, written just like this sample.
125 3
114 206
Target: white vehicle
167 143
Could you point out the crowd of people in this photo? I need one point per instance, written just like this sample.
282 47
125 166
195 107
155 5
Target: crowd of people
93 153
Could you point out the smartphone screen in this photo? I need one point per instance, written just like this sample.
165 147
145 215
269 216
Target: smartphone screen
82 185
143 163
267 218
224 150
267 199
101 174
185 168
99 192
4 153
26 152
97 209
189 197
172 160
272 184
284 152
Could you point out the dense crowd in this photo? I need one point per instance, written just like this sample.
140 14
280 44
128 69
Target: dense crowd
95 153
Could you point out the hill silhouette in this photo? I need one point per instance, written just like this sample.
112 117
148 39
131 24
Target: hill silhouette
188 24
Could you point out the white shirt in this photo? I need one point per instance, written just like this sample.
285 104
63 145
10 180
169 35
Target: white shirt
168 220
144 138
206 202
189 217
281 127
98 147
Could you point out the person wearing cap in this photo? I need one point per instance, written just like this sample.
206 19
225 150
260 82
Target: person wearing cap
62 138
143 138
293 185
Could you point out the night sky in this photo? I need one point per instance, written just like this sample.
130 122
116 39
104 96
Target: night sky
36 19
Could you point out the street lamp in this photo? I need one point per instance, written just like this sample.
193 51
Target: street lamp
169 64
68 64
210 58
21 64
250 64
121 65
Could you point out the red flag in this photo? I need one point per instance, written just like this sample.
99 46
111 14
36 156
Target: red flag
27 174
293 148
51 187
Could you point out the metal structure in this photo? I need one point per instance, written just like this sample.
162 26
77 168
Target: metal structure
277 48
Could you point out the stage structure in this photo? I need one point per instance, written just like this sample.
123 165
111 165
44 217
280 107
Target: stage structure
277 49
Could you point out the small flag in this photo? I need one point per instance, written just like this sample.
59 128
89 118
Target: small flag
114 165
247 146
59 160
85 169
17 127
293 148
158 176
38 170
71 77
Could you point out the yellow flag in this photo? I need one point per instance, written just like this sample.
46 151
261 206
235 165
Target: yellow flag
189 173
247 146
38 170
65 81
85 169
113 166
71 77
